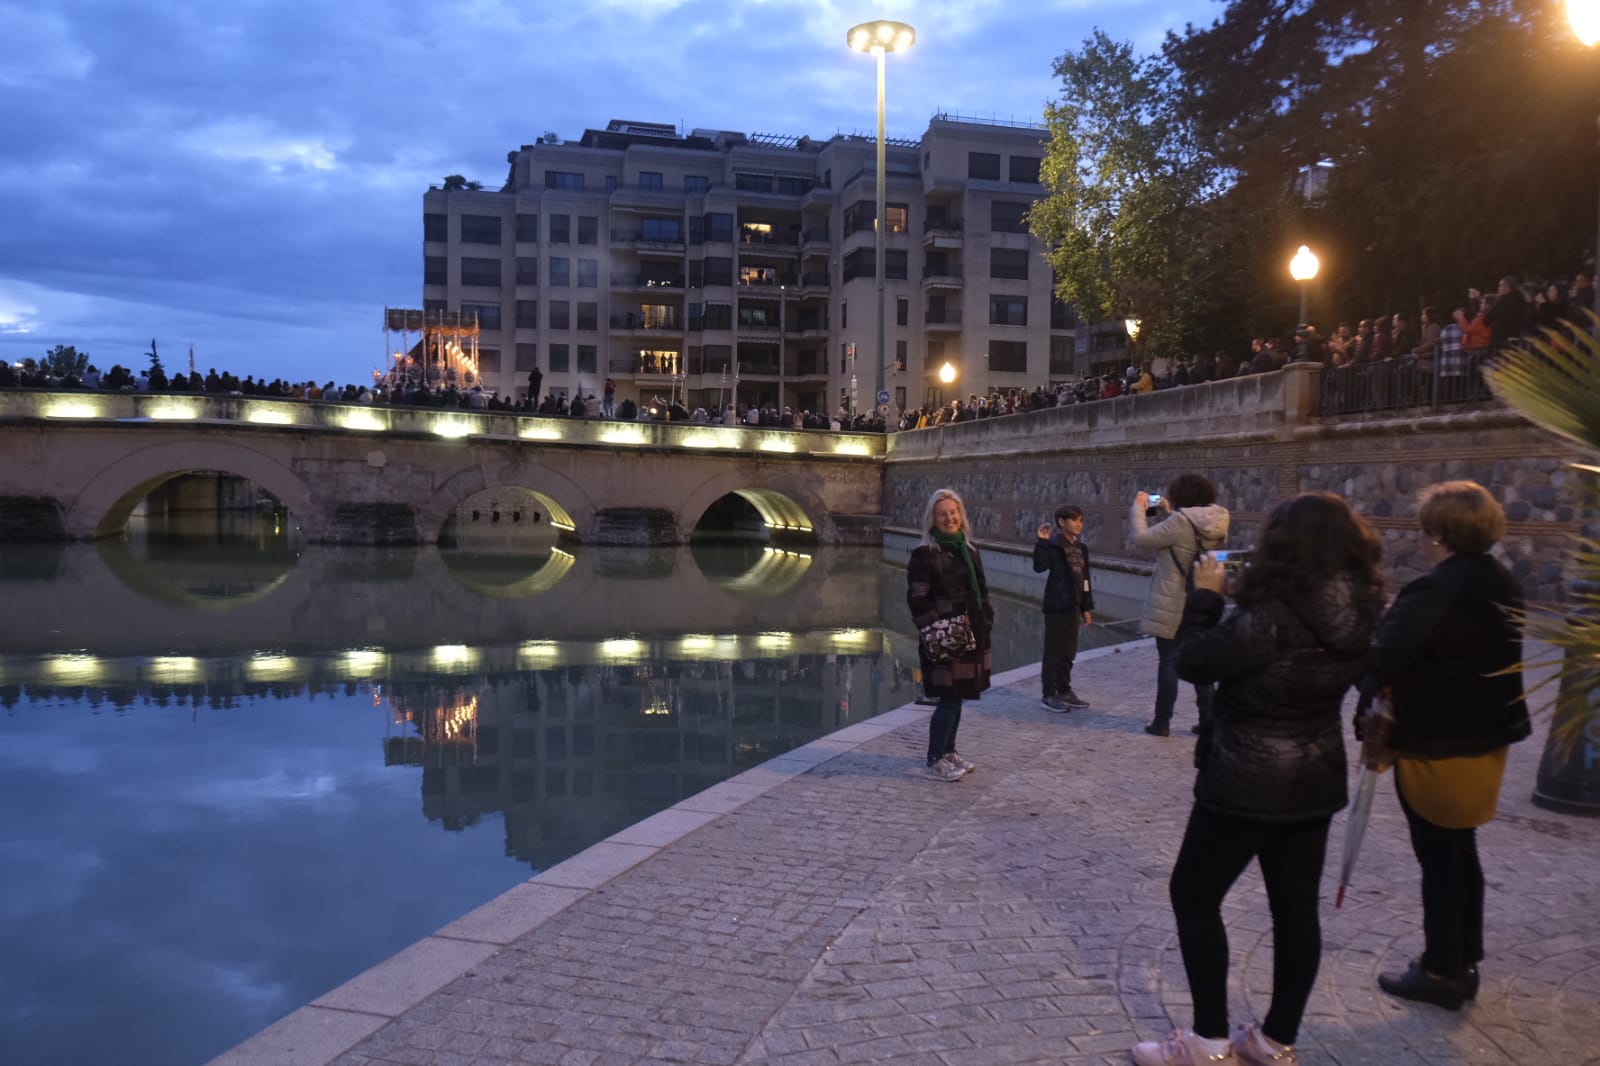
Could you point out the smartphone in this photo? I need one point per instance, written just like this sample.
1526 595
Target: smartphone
1153 506
1232 560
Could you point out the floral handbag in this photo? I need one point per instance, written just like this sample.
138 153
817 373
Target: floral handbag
949 638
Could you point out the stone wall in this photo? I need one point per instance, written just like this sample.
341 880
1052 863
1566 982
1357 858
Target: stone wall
1259 439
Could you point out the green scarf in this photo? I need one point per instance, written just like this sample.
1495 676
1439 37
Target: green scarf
958 541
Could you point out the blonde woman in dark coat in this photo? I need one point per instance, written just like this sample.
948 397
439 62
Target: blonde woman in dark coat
945 580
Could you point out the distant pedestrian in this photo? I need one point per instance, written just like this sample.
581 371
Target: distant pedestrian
945 583
1068 603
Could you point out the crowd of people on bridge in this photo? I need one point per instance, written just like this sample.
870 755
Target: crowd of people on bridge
1440 700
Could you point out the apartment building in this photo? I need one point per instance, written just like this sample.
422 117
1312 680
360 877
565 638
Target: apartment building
728 267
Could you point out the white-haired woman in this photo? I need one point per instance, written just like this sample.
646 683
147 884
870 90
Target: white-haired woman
945 580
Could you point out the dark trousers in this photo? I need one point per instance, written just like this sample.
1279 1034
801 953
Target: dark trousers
1215 852
1060 648
1452 894
1167 684
942 728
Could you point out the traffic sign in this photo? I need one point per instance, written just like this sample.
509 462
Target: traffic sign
883 395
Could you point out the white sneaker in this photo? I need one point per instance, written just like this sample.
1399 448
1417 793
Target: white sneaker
1184 1048
1256 1048
944 770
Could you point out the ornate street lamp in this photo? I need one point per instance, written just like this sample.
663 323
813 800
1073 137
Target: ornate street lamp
947 373
1303 268
1584 15
880 37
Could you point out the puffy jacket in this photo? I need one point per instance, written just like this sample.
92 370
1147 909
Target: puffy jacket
1061 594
937 587
1187 532
1443 647
1273 750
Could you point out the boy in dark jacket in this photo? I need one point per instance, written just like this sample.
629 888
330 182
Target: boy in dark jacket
1068 602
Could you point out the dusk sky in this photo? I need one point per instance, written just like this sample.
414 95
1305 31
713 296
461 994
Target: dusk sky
247 176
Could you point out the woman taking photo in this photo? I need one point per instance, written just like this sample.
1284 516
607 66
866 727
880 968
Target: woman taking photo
1271 760
1442 651
945 582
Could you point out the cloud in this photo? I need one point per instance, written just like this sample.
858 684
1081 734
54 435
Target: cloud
39 47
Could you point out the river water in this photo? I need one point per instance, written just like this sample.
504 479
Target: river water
236 774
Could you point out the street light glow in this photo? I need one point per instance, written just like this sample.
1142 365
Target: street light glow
947 373
1132 326
1303 267
881 35
1584 15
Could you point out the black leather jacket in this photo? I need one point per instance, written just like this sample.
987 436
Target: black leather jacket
1273 751
1062 595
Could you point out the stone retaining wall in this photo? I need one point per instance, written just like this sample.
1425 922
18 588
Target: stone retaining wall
1259 439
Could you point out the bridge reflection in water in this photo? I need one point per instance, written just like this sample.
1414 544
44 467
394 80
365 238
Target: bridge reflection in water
224 744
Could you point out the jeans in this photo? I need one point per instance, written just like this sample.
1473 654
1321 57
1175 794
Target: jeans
1167 684
1060 648
942 728
1215 852
1452 894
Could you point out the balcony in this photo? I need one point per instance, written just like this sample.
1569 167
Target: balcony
815 242
648 242
634 322
646 282
765 326
942 320
941 233
648 367
813 366
773 281
941 277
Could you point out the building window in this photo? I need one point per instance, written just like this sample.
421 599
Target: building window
696 183
1009 264
435 305
528 357
561 179
611 183
433 270
844 314
1008 310
719 316
902 310
560 270
588 314
650 181
1063 315
896 215
484 272
935 354
588 229
697 229
859 215
791 185
488 314
900 355
984 166
433 227
527 314
662 230
588 361
1025 170
863 263
1060 356
527 228
752 182
560 229
1008 357
718 271
558 359
560 314
488 360
527 270
1006 216
719 226
588 273
480 229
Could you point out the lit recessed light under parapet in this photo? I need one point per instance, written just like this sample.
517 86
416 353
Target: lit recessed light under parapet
367 421
452 429
174 669
448 655
270 667
268 416
72 409
539 433
75 669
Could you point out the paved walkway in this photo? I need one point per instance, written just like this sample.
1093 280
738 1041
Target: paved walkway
832 906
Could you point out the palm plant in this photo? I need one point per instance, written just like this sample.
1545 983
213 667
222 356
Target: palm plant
1554 382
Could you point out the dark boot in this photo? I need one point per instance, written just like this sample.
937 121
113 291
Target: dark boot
1420 985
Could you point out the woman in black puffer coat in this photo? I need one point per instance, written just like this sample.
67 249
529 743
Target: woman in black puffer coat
1271 756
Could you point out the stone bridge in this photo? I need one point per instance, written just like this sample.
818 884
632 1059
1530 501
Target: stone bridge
75 465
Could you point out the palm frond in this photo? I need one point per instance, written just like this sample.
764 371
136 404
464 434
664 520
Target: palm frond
1554 380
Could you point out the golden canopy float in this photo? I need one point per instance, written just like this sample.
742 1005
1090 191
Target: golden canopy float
430 349
437 726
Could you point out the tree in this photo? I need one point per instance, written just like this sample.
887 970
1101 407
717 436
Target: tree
454 182
155 359
65 361
1124 176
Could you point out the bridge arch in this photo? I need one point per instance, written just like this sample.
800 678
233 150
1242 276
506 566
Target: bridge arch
784 503
569 507
103 505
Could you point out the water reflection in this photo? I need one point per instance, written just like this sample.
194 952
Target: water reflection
267 770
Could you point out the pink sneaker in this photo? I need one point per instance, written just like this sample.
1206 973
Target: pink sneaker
1255 1048
1184 1048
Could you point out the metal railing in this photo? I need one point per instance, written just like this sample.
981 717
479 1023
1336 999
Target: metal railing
631 320
1403 384
950 316
641 281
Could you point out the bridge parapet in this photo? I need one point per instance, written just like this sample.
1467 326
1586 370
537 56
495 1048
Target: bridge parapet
382 420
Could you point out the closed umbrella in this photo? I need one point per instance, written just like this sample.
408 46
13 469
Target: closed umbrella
1356 827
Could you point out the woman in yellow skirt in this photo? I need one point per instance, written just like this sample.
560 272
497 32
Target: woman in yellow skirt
1441 650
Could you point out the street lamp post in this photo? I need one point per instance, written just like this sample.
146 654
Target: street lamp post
1584 16
1302 268
1132 325
880 37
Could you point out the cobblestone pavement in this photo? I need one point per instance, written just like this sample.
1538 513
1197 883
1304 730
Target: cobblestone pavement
858 912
